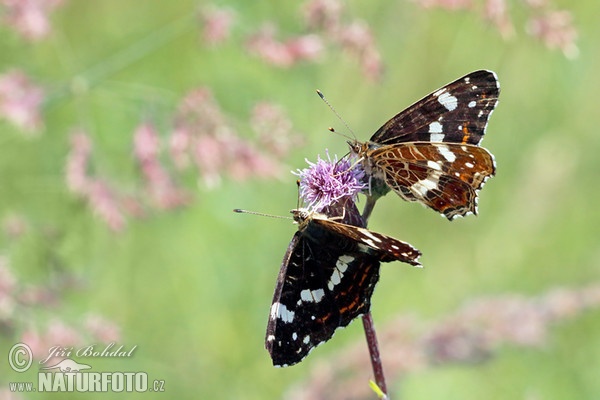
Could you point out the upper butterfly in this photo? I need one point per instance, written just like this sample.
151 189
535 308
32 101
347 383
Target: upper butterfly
430 152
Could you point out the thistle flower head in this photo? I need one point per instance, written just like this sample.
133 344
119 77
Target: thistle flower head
327 182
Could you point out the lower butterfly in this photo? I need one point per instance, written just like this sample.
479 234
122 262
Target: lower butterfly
326 280
429 153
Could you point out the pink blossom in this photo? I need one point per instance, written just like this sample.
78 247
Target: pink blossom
57 333
357 39
556 30
446 4
204 135
179 145
274 129
305 48
323 14
210 157
7 394
77 163
105 204
217 25
7 287
284 54
160 186
20 101
264 45
496 11
14 225
246 162
29 18
473 334
102 329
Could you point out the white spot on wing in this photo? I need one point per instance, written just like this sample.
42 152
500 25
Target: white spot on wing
312 295
434 165
435 127
436 137
448 101
425 185
294 336
341 266
366 232
306 339
343 261
446 153
472 104
469 165
280 311
270 338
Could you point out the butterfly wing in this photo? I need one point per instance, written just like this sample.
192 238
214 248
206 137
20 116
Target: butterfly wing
443 176
384 247
320 287
458 113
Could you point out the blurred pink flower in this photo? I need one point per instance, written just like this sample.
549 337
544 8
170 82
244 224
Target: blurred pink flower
29 18
57 333
209 155
306 47
7 287
78 159
14 225
274 129
20 101
7 394
264 45
555 29
323 14
105 204
34 295
217 24
179 145
163 192
472 334
204 135
101 329
284 54
446 4
496 11
357 39
247 162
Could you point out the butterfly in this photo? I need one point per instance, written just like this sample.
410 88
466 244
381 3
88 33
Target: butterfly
326 280
429 153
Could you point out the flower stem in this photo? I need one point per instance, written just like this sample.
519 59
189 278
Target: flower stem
371 336
369 205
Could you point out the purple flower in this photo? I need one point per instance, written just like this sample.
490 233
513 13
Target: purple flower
327 182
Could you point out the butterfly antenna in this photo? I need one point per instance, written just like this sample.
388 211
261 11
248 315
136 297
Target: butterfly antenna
298 199
353 137
240 211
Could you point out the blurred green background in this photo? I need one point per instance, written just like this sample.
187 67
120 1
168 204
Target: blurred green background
192 287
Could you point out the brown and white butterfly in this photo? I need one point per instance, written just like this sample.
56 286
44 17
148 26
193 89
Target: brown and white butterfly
429 153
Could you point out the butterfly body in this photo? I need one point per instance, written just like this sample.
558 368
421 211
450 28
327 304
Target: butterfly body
326 280
430 152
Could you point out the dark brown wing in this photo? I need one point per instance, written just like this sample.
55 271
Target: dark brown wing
457 113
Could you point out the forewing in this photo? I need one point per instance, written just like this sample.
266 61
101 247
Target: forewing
384 247
444 176
458 113
319 289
